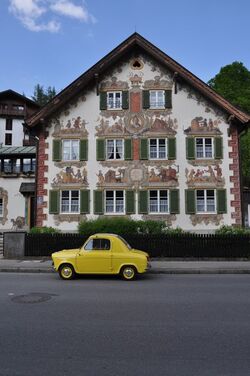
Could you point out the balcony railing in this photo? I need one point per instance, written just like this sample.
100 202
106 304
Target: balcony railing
12 111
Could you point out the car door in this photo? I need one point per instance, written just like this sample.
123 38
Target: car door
95 257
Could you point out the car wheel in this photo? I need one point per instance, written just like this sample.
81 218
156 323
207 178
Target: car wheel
128 273
66 271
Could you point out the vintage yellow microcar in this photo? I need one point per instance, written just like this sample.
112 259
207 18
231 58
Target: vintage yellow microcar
101 254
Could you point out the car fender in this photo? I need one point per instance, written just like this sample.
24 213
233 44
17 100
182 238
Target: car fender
128 264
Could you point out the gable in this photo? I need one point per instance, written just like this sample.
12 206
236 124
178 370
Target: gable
134 44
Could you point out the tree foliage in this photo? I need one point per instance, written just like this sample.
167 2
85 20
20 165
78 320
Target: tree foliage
233 83
42 96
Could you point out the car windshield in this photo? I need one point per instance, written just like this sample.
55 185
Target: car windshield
124 242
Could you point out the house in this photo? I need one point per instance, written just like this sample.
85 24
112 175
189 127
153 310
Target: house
17 162
138 135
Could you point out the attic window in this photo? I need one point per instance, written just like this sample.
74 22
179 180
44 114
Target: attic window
136 64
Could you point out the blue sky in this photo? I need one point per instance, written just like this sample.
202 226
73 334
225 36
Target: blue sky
52 42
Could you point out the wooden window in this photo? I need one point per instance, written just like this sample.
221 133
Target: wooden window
205 201
8 138
158 201
70 150
204 148
157 148
70 202
114 149
9 124
114 202
1 207
114 100
157 98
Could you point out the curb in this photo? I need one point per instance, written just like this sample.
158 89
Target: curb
155 271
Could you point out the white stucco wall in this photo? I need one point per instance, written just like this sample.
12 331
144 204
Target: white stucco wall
184 109
17 132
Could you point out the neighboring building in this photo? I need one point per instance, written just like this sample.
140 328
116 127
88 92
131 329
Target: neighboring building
17 162
138 135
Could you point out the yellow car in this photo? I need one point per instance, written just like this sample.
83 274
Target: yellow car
101 254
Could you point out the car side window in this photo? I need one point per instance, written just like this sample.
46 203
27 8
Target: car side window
97 245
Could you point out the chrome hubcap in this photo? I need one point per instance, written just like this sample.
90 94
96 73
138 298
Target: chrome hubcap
66 272
128 272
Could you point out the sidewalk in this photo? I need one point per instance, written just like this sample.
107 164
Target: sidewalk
158 267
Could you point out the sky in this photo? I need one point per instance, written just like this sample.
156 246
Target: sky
52 42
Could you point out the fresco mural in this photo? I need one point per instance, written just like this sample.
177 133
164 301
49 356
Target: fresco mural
163 175
4 196
200 125
70 175
211 176
75 126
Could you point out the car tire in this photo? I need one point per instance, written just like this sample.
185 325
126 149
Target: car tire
66 271
128 272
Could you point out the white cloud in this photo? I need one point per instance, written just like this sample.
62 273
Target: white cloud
67 8
31 13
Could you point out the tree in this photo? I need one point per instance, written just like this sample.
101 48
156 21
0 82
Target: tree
43 96
233 83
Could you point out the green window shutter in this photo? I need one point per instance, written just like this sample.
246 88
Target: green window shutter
128 149
143 148
130 202
171 148
100 149
84 201
125 102
174 201
83 150
145 99
218 148
221 201
103 100
168 98
98 202
57 150
54 203
143 202
190 201
190 147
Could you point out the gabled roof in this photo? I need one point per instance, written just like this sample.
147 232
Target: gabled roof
135 40
13 94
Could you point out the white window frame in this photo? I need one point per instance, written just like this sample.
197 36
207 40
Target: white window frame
158 202
158 148
70 201
204 147
1 207
205 202
71 140
156 104
114 212
112 105
114 140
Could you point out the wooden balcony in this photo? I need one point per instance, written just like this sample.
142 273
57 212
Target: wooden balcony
12 112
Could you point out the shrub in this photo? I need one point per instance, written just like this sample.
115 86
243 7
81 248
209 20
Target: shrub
43 230
231 230
121 226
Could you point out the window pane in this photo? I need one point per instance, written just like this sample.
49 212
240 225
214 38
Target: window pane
75 150
210 201
119 202
110 149
89 245
153 202
200 201
109 201
1 206
7 166
65 202
119 149
163 201
153 148
208 148
162 148
16 166
199 148
27 165
74 201
66 150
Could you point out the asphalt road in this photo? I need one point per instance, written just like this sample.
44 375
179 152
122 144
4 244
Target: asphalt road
158 325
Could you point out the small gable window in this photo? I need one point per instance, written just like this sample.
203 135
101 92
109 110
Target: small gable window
114 100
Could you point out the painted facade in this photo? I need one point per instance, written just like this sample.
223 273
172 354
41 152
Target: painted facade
137 142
